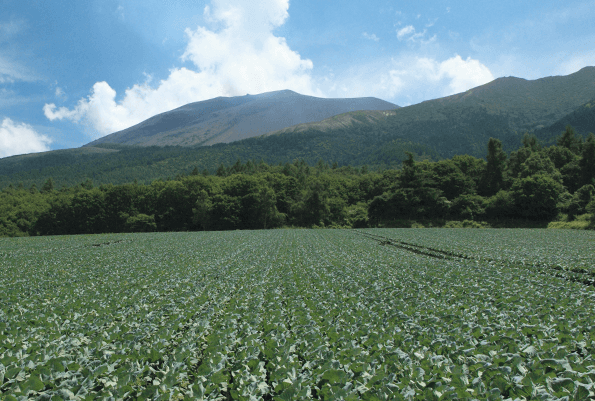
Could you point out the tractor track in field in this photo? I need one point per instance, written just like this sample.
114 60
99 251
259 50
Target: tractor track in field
576 274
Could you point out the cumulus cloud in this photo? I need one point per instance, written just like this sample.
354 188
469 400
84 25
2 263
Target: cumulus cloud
444 78
242 55
16 139
413 79
460 74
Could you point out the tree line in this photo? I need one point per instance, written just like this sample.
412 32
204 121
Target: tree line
533 183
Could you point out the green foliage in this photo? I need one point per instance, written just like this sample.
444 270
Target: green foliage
141 223
587 161
468 207
535 184
466 224
570 140
370 314
531 142
536 197
501 206
494 172
539 163
581 222
48 186
590 208
580 200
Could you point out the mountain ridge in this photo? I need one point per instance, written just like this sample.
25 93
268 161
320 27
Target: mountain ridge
228 119
505 108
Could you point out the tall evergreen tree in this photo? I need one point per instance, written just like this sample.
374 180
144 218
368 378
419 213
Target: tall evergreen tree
48 186
494 175
530 141
587 162
570 140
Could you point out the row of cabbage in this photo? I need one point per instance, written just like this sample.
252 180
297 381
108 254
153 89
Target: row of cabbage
283 314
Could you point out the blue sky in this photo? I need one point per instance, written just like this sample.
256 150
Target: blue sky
72 71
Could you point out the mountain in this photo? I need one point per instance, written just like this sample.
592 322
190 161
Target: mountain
460 124
229 119
505 108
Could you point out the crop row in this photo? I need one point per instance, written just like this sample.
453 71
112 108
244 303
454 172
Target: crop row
286 314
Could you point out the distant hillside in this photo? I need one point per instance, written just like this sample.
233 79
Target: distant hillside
505 108
229 119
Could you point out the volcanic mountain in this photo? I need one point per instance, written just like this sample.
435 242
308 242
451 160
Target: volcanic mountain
229 119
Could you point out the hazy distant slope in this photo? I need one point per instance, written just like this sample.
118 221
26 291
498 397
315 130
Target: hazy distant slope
229 119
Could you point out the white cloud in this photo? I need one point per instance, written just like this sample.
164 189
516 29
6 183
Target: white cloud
16 139
241 56
404 32
412 36
445 78
461 74
60 94
371 36
413 79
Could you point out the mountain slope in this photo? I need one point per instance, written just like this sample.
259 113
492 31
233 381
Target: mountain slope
582 120
505 108
229 119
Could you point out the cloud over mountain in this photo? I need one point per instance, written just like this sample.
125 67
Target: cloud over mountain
239 55
456 74
16 139
410 76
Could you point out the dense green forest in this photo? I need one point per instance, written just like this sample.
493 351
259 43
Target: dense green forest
118 164
532 184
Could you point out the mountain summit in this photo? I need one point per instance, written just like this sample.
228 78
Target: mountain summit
229 119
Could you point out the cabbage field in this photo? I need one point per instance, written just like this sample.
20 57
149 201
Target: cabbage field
374 314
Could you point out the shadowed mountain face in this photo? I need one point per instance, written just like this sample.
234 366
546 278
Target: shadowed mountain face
229 119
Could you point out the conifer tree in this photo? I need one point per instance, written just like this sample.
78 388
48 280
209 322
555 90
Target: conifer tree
587 162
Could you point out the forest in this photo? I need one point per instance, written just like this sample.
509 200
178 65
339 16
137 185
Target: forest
531 186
